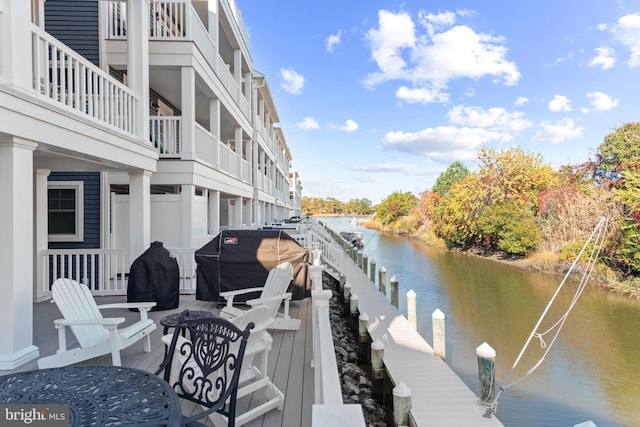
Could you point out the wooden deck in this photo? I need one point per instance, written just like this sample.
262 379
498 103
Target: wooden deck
289 360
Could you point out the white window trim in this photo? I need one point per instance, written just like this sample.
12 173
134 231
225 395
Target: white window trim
78 186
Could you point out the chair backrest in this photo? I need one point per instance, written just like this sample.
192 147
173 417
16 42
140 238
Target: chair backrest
211 362
261 318
75 302
277 283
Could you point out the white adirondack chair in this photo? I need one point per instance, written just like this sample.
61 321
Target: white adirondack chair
253 376
96 335
273 294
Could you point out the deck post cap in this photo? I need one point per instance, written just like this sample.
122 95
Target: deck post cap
377 345
486 351
437 314
411 293
402 390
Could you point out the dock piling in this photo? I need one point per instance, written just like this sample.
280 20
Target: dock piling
412 315
437 320
372 271
382 280
486 374
394 290
401 404
365 340
377 370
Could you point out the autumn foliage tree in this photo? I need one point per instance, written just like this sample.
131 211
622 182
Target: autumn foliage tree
396 205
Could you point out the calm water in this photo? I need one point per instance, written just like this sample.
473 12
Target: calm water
592 372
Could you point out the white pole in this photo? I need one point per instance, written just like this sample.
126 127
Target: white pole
411 309
437 320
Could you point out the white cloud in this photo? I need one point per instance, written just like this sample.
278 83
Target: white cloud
349 126
383 167
497 119
441 53
556 132
627 33
443 143
308 123
520 101
560 103
333 40
605 58
292 81
601 101
422 95
395 32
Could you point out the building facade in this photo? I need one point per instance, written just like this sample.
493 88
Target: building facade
124 123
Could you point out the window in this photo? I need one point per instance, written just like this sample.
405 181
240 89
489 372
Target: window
66 211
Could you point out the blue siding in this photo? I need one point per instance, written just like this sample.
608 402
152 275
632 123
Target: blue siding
75 23
91 208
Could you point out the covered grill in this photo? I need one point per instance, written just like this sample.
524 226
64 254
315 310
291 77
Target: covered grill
155 276
240 259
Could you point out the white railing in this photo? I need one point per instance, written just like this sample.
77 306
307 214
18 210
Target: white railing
165 134
169 19
69 79
206 146
102 270
332 253
187 267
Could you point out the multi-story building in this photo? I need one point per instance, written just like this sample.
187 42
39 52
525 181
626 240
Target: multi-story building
123 123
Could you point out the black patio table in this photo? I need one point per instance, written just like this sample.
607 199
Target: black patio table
96 395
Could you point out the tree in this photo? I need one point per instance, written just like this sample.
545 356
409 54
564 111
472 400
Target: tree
454 173
618 168
511 226
395 206
456 215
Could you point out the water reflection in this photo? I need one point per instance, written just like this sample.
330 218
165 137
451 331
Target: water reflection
591 373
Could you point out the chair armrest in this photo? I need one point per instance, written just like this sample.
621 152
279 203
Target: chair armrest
229 295
259 301
140 305
110 321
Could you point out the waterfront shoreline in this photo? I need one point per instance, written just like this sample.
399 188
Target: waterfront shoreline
601 279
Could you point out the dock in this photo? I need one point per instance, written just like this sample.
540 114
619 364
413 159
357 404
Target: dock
439 397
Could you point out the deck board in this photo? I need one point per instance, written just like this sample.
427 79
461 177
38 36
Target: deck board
288 360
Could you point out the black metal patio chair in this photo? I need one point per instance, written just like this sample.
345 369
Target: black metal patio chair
203 365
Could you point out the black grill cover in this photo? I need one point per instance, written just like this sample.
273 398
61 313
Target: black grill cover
240 259
155 276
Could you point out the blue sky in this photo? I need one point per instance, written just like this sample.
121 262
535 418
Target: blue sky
382 96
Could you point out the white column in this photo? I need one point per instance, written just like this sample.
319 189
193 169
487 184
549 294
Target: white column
214 212
212 25
214 128
188 87
15 43
16 251
41 240
139 213
187 196
238 139
138 61
237 67
237 213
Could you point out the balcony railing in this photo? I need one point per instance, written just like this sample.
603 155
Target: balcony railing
67 78
178 20
165 134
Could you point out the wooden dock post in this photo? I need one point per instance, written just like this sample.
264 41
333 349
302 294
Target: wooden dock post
401 404
365 264
437 320
343 280
353 312
359 259
365 340
394 290
382 280
372 271
486 374
412 315
346 300
377 370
